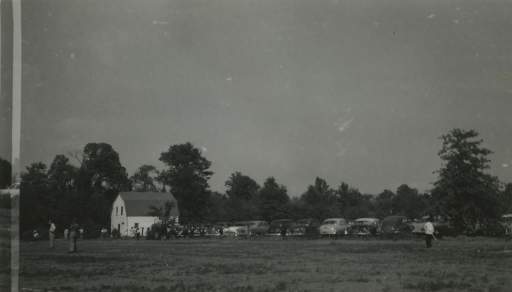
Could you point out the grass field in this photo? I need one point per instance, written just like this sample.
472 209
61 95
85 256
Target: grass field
462 264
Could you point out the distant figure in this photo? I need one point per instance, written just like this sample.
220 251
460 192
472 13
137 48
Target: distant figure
51 233
283 231
66 234
429 232
81 230
73 236
104 232
35 235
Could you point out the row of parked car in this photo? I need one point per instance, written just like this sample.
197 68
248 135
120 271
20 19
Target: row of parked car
331 227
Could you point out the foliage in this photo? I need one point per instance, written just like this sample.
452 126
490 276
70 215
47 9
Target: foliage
242 197
408 202
187 176
145 179
464 192
273 200
318 201
5 173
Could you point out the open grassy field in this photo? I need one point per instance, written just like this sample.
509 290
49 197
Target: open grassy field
462 264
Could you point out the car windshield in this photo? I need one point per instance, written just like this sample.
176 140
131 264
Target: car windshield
330 222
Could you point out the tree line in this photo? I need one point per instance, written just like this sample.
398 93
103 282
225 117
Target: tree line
464 192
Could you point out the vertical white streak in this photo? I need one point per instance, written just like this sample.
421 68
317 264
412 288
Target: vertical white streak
16 139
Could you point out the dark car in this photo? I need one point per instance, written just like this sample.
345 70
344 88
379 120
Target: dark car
276 226
395 226
307 227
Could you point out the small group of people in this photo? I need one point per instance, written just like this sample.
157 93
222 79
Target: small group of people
72 233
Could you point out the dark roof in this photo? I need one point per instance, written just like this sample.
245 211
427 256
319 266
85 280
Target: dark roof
139 203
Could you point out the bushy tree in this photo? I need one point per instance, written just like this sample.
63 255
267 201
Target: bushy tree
145 179
409 202
319 201
352 203
242 198
36 202
464 192
273 200
384 203
5 173
187 175
101 170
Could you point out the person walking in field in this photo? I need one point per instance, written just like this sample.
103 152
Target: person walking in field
73 236
429 232
51 233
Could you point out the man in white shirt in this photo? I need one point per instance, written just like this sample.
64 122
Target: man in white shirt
51 233
429 232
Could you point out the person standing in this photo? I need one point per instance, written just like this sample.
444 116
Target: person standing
51 233
66 234
73 236
429 232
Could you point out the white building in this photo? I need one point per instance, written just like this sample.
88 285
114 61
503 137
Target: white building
131 210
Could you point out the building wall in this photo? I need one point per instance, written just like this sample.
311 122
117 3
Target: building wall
118 217
144 222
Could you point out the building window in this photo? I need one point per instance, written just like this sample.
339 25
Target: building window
121 210
117 210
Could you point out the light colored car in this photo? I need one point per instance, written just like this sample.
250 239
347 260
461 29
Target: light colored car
334 227
365 227
506 221
257 227
237 229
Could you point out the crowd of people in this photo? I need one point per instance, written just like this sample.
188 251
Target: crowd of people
172 231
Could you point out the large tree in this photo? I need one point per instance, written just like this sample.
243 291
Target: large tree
5 173
319 201
145 179
409 202
273 200
352 203
36 201
384 203
464 192
241 191
187 175
101 170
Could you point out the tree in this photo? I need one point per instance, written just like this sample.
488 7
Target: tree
36 203
61 187
5 173
506 199
319 201
241 194
408 202
101 170
187 176
384 204
464 192
351 202
144 179
273 200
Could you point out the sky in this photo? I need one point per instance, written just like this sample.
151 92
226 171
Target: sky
352 91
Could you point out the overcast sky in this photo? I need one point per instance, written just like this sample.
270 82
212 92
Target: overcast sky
354 91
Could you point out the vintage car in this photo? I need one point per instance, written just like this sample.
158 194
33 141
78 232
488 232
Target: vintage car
396 225
257 227
364 227
307 227
506 222
334 227
276 226
237 229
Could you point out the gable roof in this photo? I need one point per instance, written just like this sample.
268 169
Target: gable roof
139 203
